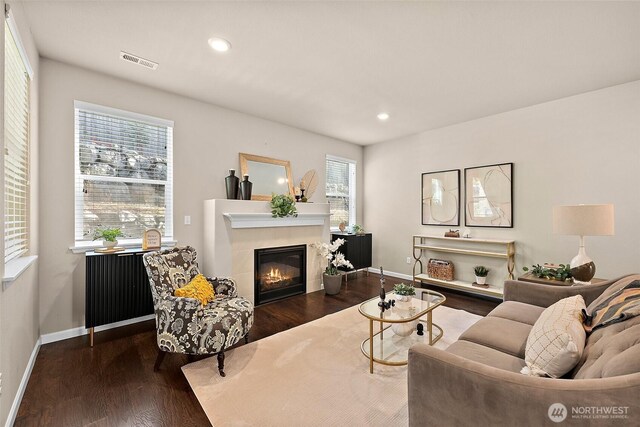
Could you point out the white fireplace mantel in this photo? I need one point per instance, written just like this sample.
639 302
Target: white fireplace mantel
234 229
260 220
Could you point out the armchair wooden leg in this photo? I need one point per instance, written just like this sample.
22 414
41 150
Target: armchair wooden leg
221 364
246 338
159 360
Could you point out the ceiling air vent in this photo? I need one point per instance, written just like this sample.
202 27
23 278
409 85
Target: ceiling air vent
137 60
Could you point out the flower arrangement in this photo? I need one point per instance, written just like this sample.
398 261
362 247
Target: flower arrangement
335 259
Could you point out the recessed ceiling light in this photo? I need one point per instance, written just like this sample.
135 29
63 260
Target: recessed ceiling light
383 116
219 45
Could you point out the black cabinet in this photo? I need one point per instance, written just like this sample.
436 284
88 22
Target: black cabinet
356 248
117 288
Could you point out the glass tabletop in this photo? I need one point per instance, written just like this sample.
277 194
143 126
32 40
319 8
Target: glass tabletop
424 301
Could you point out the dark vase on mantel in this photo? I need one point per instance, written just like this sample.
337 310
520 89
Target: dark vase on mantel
232 182
245 188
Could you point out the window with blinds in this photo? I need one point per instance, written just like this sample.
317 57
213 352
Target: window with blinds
123 172
16 149
341 191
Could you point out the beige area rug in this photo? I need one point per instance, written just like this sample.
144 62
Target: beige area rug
311 375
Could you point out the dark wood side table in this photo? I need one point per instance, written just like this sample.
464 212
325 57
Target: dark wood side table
529 277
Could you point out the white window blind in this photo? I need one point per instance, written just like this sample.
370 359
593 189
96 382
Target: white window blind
341 191
124 172
16 149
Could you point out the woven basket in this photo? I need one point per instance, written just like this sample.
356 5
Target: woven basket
440 269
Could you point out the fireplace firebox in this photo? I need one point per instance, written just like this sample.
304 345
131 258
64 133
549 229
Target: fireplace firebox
280 272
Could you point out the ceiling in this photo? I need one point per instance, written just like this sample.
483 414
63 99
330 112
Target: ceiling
330 67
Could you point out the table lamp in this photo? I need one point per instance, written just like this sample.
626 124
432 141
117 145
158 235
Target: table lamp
583 220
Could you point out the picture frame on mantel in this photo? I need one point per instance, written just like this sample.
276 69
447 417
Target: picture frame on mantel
441 198
489 196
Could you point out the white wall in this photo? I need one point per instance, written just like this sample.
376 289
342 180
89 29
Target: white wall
19 312
207 140
582 149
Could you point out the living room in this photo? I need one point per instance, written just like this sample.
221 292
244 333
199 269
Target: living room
381 99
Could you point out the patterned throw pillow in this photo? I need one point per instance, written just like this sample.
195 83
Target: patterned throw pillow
557 339
198 288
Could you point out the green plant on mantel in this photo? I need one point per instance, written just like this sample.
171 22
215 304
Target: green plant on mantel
283 205
562 273
108 234
404 289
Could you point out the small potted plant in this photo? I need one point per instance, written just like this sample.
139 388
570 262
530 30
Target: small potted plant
404 292
357 229
109 236
332 278
481 274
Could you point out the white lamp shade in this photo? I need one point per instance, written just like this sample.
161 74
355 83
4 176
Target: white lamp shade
583 220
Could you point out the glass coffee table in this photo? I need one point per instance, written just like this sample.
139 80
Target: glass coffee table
385 346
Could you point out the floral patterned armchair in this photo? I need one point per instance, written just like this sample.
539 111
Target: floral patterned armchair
184 325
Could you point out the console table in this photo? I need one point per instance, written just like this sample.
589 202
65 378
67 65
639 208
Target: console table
117 288
422 244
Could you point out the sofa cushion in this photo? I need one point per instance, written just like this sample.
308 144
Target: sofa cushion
612 290
517 311
500 334
486 356
611 351
557 339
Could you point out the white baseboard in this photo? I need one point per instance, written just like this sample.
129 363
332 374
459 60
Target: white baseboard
78 332
392 274
13 412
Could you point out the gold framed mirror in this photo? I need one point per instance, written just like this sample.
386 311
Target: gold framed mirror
267 175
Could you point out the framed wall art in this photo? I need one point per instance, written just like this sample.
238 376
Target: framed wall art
489 196
441 198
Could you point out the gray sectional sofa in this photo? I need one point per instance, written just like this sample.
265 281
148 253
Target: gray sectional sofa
477 380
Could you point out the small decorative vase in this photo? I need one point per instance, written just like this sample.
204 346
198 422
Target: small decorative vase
404 329
481 280
332 283
245 187
231 183
109 244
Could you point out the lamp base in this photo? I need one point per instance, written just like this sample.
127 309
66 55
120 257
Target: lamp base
582 268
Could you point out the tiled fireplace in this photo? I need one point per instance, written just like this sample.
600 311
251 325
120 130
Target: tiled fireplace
236 232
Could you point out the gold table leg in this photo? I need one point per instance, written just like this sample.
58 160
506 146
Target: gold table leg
91 336
371 346
430 327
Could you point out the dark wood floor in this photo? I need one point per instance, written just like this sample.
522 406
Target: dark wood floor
113 383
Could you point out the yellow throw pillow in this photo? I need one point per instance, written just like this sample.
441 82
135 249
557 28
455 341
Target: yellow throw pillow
198 288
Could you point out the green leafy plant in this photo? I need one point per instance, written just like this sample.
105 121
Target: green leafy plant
481 271
357 229
283 205
404 289
562 273
108 234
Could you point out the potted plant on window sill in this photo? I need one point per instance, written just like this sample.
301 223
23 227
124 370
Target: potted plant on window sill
109 236
332 277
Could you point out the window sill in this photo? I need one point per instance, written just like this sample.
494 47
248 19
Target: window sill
14 268
82 247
